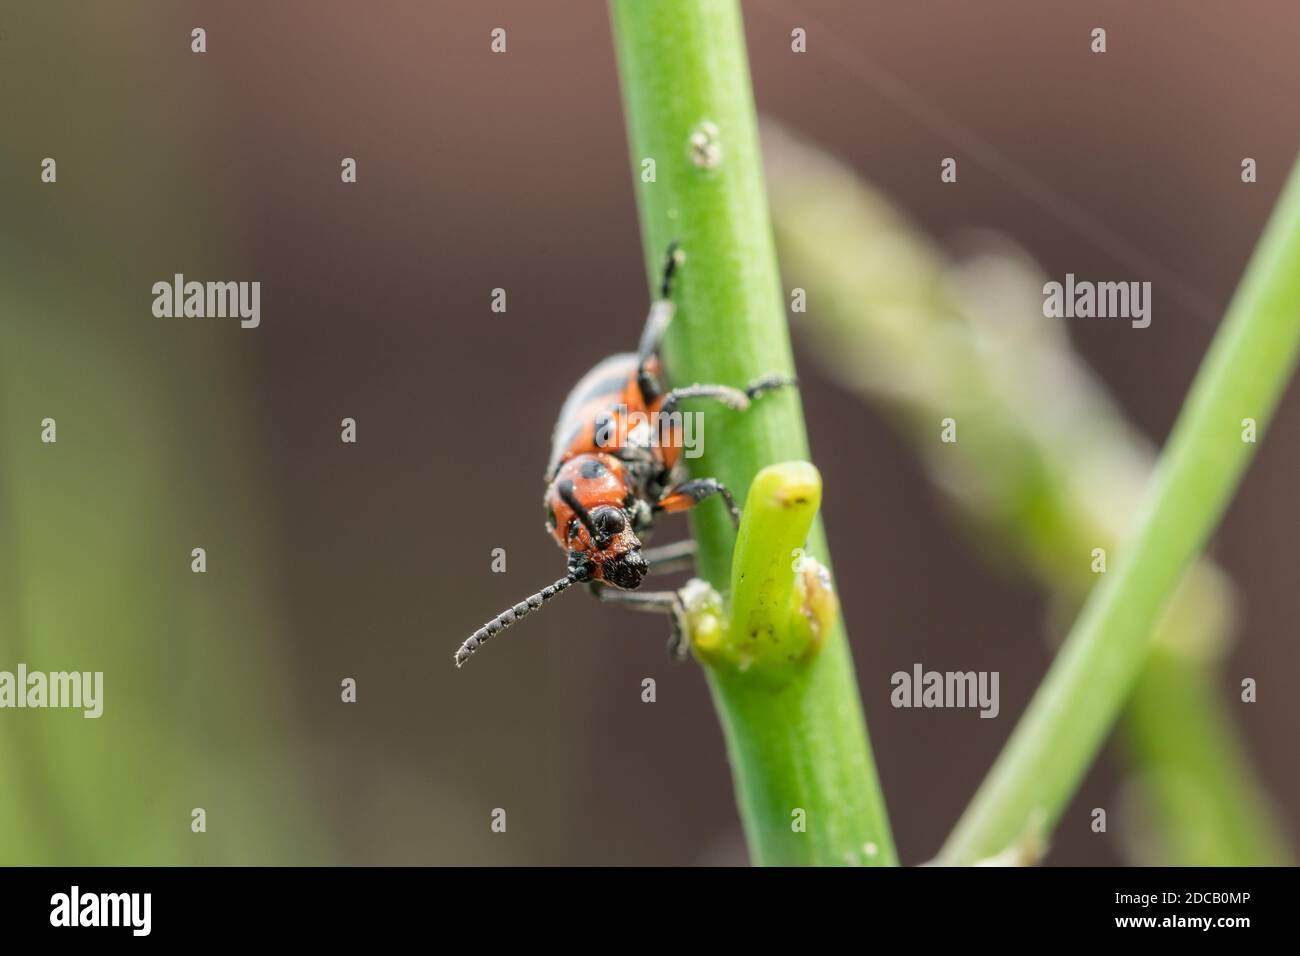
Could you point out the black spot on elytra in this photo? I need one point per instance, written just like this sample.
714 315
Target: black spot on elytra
593 468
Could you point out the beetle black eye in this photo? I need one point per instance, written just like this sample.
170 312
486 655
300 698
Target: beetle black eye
608 521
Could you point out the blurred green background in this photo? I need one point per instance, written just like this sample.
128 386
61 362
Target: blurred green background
372 560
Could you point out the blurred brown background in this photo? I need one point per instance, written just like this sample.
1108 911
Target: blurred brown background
479 171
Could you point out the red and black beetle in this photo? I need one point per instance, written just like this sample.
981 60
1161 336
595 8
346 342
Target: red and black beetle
609 477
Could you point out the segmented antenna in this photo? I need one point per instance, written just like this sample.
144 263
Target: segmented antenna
508 617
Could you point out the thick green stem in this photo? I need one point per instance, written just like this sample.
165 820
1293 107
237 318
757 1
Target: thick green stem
1243 377
798 743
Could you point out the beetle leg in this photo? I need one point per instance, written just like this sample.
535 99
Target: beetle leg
661 314
657 602
736 398
679 556
690 493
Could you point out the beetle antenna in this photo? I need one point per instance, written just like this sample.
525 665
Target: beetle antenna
509 616
568 496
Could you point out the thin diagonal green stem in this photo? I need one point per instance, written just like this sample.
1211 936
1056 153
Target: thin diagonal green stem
1243 377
